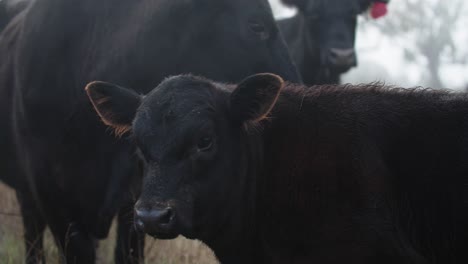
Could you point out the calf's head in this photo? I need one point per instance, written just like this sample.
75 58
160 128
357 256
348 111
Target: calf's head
331 30
189 132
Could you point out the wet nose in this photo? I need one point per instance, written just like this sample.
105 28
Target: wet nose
342 57
155 220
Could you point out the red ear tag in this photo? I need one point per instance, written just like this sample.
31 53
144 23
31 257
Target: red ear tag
378 10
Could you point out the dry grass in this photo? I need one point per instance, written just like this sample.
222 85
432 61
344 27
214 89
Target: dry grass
180 250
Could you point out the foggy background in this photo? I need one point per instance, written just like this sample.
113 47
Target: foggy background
418 43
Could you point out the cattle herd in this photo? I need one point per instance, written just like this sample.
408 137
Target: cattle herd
189 117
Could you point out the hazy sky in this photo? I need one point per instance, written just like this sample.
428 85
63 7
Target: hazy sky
380 59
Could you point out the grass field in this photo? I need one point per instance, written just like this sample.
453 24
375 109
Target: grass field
180 250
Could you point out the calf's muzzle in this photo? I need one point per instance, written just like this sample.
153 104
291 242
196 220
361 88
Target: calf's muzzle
155 220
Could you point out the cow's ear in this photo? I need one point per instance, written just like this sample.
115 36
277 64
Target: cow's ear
115 105
300 4
255 96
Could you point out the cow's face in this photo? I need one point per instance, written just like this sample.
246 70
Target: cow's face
223 40
331 30
241 36
244 38
189 134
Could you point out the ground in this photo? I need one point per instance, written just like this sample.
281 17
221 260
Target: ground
176 251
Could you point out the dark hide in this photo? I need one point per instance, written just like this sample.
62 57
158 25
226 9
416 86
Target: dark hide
3 15
9 9
332 174
321 37
75 176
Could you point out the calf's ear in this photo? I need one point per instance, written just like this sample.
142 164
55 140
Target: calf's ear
115 105
254 97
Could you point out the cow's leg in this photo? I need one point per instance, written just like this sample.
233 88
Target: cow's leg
34 226
75 245
130 241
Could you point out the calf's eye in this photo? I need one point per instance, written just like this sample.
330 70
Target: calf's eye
205 143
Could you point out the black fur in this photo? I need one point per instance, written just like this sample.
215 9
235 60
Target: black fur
9 9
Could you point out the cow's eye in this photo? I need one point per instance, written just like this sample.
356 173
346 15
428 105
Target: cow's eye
205 143
259 28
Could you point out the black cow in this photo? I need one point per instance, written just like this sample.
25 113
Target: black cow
321 37
269 174
75 174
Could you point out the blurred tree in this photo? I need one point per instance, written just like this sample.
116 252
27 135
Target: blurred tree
425 29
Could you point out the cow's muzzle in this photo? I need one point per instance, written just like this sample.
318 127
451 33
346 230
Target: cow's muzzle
342 58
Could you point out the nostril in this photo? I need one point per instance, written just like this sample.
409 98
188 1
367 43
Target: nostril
139 225
166 216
